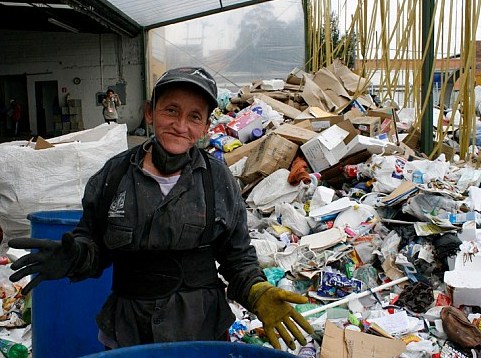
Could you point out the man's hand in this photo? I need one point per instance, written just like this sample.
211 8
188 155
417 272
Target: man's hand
52 260
272 306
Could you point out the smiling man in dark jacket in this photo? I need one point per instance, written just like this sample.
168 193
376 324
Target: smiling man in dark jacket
170 219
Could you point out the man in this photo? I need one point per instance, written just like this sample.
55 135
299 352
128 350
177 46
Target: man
175 213
110 103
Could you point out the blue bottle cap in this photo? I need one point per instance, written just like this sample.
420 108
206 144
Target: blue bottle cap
256 133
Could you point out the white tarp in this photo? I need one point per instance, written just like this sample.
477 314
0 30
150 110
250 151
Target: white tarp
53 178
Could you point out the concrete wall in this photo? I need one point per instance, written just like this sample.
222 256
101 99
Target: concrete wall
99 61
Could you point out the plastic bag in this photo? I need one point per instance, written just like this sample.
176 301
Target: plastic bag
388 172
293 219
424 206
274 189
435 169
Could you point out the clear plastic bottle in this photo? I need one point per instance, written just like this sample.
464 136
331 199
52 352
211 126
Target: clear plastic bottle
12 349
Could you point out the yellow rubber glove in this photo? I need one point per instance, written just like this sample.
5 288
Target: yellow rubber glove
272 306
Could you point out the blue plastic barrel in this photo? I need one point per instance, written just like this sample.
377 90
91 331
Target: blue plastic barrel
63 313
194 349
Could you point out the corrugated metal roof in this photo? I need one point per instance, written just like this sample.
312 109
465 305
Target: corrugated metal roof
155 13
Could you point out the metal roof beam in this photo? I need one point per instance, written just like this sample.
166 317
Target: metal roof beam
204 13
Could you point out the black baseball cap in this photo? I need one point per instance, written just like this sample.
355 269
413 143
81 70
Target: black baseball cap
193 75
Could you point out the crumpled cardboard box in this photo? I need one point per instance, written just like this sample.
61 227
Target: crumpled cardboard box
273 153
338 343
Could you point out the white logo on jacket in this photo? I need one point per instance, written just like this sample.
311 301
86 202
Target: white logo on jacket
117 206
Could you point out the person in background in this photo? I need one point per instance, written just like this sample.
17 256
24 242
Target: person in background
15 114
175 222
110 103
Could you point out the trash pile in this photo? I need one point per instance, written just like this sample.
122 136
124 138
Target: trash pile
16 309
343 208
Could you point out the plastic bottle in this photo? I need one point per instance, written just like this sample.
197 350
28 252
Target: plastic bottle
350 170
418 177
252 339
12 349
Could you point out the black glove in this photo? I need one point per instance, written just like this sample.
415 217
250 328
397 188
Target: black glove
53 260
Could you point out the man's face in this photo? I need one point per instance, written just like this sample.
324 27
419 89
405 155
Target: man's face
180 119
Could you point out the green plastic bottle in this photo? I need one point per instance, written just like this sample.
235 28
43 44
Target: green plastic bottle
251 339
12 349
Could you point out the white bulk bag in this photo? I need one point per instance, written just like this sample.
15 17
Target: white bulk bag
53 178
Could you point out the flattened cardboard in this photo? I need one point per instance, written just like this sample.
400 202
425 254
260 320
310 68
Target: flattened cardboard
413 140
318 112
320 124
288 111
332 88
295 76
243 151
350 80
304 123
314 96
353 113
42 144
338 343
295 134
318 119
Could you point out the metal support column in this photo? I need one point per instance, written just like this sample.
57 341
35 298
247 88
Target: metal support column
426 88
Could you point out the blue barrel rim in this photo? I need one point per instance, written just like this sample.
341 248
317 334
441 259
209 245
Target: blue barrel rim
57 217
192 346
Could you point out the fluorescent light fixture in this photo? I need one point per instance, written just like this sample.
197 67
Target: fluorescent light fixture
54 6
62 25
15 4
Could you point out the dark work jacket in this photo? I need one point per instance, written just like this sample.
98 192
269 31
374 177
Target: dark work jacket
141 219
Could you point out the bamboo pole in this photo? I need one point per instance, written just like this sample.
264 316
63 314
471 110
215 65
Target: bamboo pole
398 47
